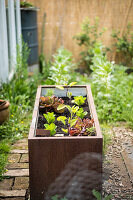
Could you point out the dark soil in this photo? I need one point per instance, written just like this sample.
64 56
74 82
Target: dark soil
60 125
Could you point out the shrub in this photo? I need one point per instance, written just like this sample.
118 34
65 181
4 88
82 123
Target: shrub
112 88
88 37
61 67
124 45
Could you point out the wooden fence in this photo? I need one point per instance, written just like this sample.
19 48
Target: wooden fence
65 16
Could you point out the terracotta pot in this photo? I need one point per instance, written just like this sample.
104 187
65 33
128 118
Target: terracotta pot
4 110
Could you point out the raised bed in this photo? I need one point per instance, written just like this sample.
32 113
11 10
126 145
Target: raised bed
67 166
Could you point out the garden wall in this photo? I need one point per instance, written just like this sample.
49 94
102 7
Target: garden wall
65 16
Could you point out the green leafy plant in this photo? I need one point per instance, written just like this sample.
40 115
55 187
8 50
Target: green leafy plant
25 4
62 119
80 113
99 196
56 197
76 126
61 67
51 102
51 127
88 38
82 128
50 117
20 92
72 119
124 45
68 93
112 88
79 100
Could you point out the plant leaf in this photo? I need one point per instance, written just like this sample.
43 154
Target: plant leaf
64 130
108 197
72 122
71 84
60 87
97 194
61 106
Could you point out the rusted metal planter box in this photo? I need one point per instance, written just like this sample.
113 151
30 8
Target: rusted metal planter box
67 166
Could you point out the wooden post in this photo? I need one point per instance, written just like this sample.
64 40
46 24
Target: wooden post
3 44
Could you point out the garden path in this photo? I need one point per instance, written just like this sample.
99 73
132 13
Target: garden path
117 168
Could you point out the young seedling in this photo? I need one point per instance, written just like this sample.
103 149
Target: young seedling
80 113
72 119
51 127
99 196
81 127
62 119
56 197
68 94
50 117
79 100
51 102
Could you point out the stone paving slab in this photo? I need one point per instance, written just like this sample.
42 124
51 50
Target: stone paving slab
18 166
22 146
12 193
24 140
14 158
24 158
6 184
21 183
17 172
19 151
13 198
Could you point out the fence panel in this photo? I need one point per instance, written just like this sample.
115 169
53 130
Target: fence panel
64 18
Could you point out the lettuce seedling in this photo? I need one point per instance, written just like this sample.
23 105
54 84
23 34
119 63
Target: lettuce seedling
81 127
51 127
80 113
72 119
79 100
62 119
51 102
50 117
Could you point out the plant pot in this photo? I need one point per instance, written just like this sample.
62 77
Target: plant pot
66 166
4 111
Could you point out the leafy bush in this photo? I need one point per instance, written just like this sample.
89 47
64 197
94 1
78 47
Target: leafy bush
88 37
61 67
124 45
20 92
112 88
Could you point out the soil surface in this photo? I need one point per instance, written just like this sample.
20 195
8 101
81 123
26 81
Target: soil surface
60 125
116 172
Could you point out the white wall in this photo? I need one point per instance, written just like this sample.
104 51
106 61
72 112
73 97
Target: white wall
10 35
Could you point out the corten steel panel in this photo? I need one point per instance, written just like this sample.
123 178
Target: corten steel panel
49 156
